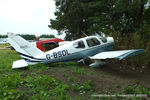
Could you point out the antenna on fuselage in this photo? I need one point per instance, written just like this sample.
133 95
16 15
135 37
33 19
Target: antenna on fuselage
84 34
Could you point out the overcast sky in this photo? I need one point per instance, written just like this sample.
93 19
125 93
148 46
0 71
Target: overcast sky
26 16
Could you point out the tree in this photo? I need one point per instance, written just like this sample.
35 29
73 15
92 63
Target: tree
92 16
28 36
3 36
47 36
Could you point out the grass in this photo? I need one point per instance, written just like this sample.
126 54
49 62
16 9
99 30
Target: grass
7 57
28 83
136 89
38 82
78 71
4 45
82 88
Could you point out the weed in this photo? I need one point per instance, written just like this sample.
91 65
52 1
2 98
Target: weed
65 75
78 71
8 85
136 89
145 91
91 73
70 79
61 91
11 94
87 86
118 86
130 90
75 87
43 81
11 81
48 88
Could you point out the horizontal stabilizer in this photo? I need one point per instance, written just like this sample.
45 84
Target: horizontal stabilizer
122 54
19 64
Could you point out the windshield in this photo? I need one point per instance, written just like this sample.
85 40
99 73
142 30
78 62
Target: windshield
103 39
92 42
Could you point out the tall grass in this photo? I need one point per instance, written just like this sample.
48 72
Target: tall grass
6 59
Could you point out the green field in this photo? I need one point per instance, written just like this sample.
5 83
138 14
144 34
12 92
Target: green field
64 81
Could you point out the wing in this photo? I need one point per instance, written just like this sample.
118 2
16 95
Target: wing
122 54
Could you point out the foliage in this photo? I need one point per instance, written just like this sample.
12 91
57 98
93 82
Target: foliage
48 87
128 21
40 82
77 16
148 54
136 89
47 36
23 84
87 86
78 71
28 36
32 37
3 36
8 85
13 55
35 83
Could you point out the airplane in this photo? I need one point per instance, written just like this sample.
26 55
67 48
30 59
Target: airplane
93 47
3 41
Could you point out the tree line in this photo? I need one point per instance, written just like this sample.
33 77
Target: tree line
128 21
30 36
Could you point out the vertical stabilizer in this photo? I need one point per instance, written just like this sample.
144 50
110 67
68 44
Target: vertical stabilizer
23 47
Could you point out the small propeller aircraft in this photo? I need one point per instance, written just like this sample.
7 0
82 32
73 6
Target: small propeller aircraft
3 41
93 47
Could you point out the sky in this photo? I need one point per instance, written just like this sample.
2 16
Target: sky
26 16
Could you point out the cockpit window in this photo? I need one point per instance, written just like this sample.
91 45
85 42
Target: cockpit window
79 44
50 45
92 42
103 39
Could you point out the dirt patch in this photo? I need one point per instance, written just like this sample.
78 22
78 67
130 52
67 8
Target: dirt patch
112 77
128 72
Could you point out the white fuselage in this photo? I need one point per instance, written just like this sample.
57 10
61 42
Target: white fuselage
78 49
93 47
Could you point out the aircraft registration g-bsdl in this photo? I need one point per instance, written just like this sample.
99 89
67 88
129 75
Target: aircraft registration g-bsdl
93 47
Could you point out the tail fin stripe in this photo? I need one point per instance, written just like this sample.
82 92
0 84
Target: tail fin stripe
32 59
30 56
27 60
25 55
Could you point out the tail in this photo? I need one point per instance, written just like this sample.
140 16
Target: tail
26 50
